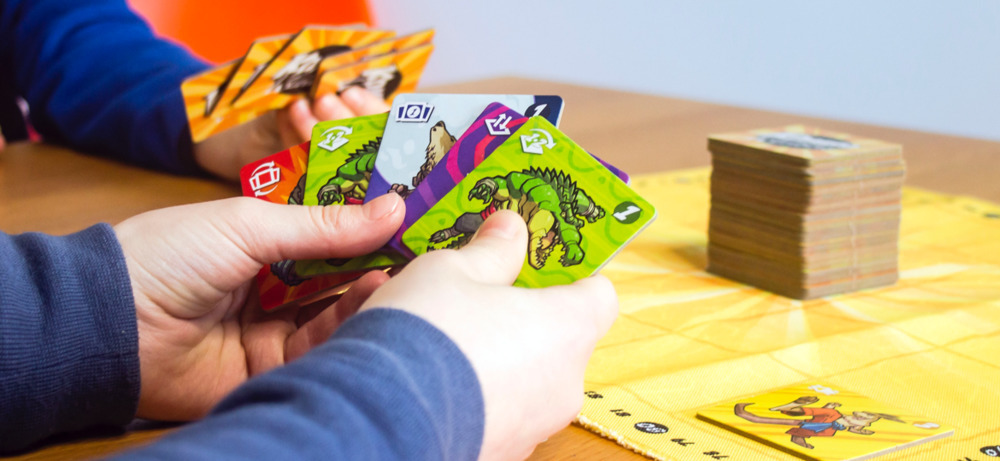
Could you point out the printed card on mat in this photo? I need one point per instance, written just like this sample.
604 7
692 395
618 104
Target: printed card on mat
817 421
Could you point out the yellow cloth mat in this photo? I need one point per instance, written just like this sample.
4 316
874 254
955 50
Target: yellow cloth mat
686 340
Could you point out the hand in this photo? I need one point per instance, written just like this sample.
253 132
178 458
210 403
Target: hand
225 153
529 347
201 331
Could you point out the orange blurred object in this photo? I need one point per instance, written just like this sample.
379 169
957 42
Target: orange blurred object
222 30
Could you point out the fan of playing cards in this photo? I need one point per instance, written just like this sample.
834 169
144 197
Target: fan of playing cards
317 60
456 159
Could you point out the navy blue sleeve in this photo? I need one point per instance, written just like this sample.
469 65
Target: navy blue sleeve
97 80
387 385
69 347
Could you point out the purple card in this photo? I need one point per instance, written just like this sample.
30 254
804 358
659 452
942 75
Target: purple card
490 129
614 170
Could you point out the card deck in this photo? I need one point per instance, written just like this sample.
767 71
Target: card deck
804 212
292 71
254 62
384 76
801 146
423 127
824 422
275 179
736 187
847 171
348 58
201 93
792 234
278 70
578 213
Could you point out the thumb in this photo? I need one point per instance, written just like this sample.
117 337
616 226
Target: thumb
496 253
270 232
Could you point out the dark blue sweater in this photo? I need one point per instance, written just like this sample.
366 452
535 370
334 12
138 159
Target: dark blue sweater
95 79
387 385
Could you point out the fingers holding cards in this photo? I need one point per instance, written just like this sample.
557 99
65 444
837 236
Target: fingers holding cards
459 158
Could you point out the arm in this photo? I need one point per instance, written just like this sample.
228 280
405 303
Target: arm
432 380
97 79
387 385
68 339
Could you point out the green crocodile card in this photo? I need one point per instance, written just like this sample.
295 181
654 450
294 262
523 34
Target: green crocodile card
341 156
579 214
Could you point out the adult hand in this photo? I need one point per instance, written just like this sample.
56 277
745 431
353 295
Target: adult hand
225 153
201 332
529 347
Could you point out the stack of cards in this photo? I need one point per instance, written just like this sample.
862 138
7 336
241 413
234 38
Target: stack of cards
579 210
803 212
317 60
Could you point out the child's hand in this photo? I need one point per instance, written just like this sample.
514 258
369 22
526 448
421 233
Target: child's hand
225 153
201 331
529 347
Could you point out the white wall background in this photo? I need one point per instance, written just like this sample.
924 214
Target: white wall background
920 64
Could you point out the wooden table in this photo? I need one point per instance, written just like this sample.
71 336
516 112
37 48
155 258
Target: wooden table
54 190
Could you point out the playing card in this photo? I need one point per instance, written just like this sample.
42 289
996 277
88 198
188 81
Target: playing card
341 156
578 213
292 71
384 76
490 129
201 93
796 146
376 49
279 178
484 135
260 53
825 422
423 127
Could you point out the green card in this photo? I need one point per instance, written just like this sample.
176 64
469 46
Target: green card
341 156
579 214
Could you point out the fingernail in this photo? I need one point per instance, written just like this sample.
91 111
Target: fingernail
353 96
300 105
326 102
501 228
382 206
